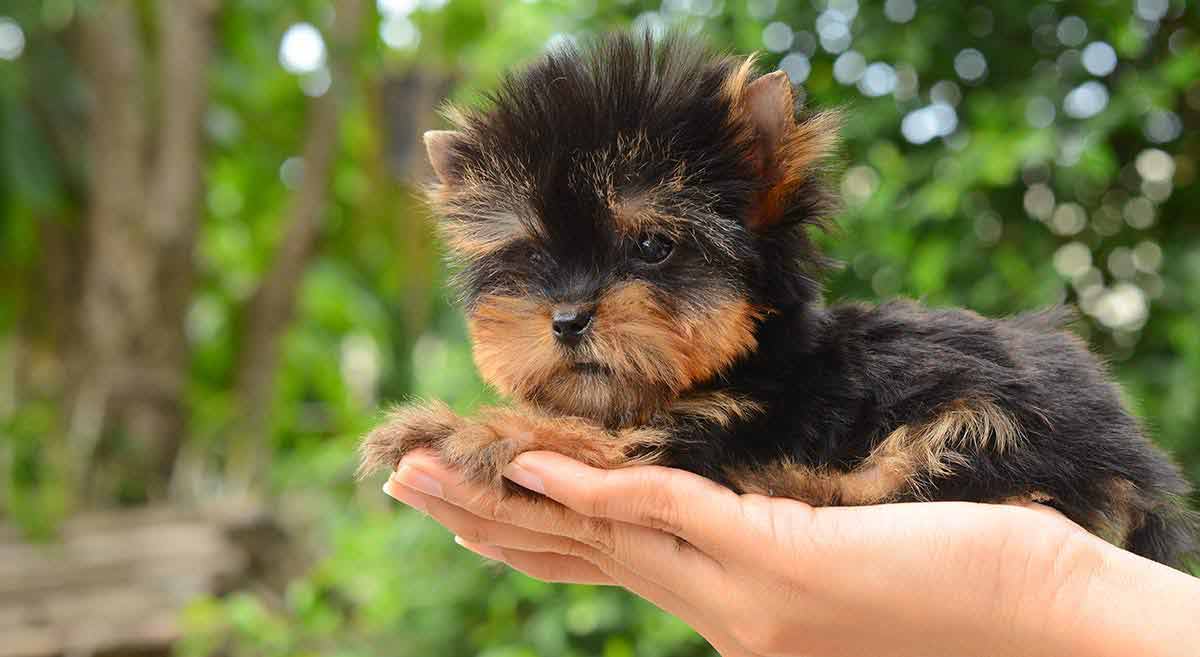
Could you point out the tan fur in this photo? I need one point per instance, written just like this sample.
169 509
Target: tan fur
635 212
899 465
485 209
911 454
482 446
735 85
640 213
797 160
790 480
1032 497
406 428
636 333
720 408
1123 515
512 343
785 162
818 486
652 355
473 240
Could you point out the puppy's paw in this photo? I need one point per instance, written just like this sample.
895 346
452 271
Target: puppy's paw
478 448
426 425
481 449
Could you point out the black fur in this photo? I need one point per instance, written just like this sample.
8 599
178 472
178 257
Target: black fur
830 383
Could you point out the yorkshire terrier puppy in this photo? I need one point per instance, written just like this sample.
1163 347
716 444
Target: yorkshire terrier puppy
631 221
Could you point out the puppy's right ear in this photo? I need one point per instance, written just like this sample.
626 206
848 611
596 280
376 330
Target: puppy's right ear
441 146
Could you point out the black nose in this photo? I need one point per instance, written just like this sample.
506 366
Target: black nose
570 323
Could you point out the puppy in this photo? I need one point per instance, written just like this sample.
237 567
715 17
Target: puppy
631 223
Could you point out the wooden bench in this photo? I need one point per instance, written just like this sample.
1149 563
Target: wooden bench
115 582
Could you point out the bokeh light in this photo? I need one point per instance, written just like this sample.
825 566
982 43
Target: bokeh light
1152 10
970 65
1086 100
849 67
302 50
1162 126
900 11
777 36
879 79
389 8
1040 111
797 66
399 32
761 9
1099 58
1072 31
834 31
12 39
922 125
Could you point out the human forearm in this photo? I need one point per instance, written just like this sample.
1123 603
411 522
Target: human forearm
1120 604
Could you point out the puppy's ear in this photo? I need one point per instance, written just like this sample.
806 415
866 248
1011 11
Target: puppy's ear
440 146
772 110
788 152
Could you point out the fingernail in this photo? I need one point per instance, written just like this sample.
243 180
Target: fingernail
489 551
404 496
418 480
520 475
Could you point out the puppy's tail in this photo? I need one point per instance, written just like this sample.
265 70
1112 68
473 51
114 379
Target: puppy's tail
1169 534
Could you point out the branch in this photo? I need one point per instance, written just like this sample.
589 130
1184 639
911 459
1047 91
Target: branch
273 303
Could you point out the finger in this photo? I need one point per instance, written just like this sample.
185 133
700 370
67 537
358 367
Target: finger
545 566
473 528
674 501
658 556
559 568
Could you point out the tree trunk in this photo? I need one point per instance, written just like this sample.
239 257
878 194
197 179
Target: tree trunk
141 225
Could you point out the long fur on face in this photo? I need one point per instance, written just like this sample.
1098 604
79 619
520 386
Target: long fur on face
639 358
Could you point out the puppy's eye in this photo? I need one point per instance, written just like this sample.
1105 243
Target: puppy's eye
653 248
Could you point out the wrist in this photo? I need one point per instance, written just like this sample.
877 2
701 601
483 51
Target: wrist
1104 601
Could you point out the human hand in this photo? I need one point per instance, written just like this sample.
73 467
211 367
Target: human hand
765 576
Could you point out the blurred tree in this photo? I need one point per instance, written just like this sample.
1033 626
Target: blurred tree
142 218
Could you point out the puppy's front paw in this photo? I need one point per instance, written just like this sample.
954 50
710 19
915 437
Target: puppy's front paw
408 428
478 448
481 449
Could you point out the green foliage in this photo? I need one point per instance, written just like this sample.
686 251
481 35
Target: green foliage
984 217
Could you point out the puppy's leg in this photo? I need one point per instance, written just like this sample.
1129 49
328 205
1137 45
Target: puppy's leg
411 427
481 447
903 465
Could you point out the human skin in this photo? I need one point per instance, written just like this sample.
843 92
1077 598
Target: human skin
764 576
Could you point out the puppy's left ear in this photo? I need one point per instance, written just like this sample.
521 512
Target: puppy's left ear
440 146
788 152
772 109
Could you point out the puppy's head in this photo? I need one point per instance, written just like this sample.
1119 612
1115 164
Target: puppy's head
624 216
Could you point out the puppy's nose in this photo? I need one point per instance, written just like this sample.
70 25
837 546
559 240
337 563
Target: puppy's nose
570 323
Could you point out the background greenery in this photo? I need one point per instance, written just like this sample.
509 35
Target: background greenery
999 156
